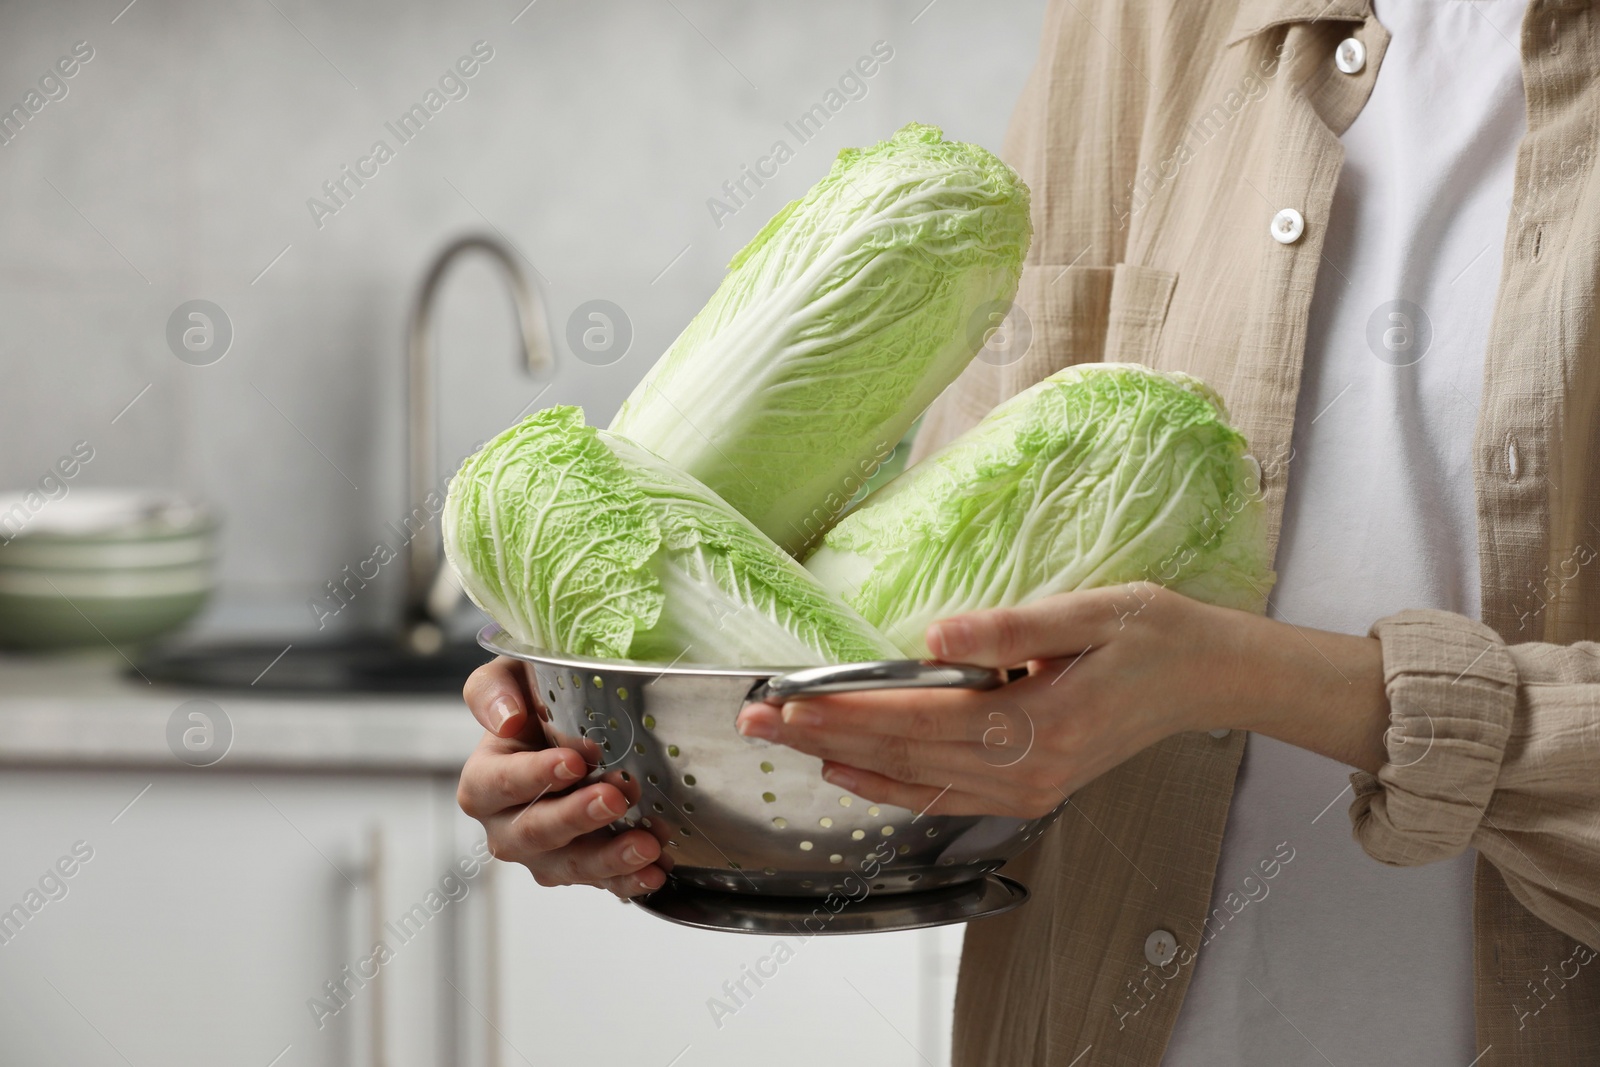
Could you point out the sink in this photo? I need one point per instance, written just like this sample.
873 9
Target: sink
380 663
363 664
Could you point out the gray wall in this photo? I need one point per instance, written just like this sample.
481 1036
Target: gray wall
180 161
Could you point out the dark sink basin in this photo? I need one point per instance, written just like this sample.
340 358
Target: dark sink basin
370 664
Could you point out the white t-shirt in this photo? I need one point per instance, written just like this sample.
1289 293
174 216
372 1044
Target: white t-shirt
1335 957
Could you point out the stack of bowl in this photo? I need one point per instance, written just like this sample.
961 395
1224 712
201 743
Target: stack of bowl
100 565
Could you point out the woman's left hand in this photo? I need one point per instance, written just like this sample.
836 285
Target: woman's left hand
1111 672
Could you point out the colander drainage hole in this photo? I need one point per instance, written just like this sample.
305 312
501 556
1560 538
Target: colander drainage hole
835 858
658 806
688 806
599 682
825 822
766 767
846 801
652 779
780 822
626 777
688 779
857 835
805 846
672 750
622 692
649 722
913 877
770 798
552 693
769 870
637 747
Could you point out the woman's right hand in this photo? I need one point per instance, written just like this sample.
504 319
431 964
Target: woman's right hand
522 792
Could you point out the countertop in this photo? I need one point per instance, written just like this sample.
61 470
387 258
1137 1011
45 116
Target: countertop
80 710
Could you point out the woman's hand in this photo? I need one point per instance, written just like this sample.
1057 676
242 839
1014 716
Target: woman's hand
1111 672
522 792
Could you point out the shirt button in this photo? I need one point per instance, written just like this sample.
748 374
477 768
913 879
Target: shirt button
1287 226
1220 734
1160 948
1350 56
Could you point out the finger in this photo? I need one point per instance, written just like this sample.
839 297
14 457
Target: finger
900 758
553 822
645 880
924 714
493 781
598 859
498 698
626 784
924 800
1056 626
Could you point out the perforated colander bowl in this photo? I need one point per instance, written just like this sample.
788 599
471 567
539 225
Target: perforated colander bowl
742 815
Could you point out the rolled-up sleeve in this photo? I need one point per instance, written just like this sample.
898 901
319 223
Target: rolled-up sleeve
1495 746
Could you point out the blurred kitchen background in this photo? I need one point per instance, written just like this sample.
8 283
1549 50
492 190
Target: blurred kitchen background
179 162
179 167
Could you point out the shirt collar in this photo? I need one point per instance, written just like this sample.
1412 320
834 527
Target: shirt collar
1254 16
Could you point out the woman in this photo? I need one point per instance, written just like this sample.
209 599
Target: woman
1380 242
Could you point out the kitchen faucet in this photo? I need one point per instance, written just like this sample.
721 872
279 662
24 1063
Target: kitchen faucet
430 591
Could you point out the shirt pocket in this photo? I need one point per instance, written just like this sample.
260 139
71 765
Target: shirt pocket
1137 312
1068 314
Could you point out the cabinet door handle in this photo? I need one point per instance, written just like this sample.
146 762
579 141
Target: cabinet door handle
375 894
491 962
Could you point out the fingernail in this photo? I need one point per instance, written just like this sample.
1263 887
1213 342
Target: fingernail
501 712
599 809
950 639
565 773
631 854
796 713
757 726
842 779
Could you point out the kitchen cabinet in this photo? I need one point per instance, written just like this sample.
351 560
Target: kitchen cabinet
216 909
588 979
217 905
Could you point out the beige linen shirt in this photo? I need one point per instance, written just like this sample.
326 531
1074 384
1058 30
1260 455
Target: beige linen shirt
1160 139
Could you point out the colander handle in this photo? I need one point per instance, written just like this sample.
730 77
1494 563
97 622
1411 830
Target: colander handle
884 674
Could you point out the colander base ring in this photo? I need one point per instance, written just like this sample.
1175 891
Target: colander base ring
741 913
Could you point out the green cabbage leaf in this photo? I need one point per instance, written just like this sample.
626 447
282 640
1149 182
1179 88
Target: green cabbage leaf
579 541
834 328
1098 475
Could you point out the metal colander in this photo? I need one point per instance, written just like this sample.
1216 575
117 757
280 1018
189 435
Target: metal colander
742 815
